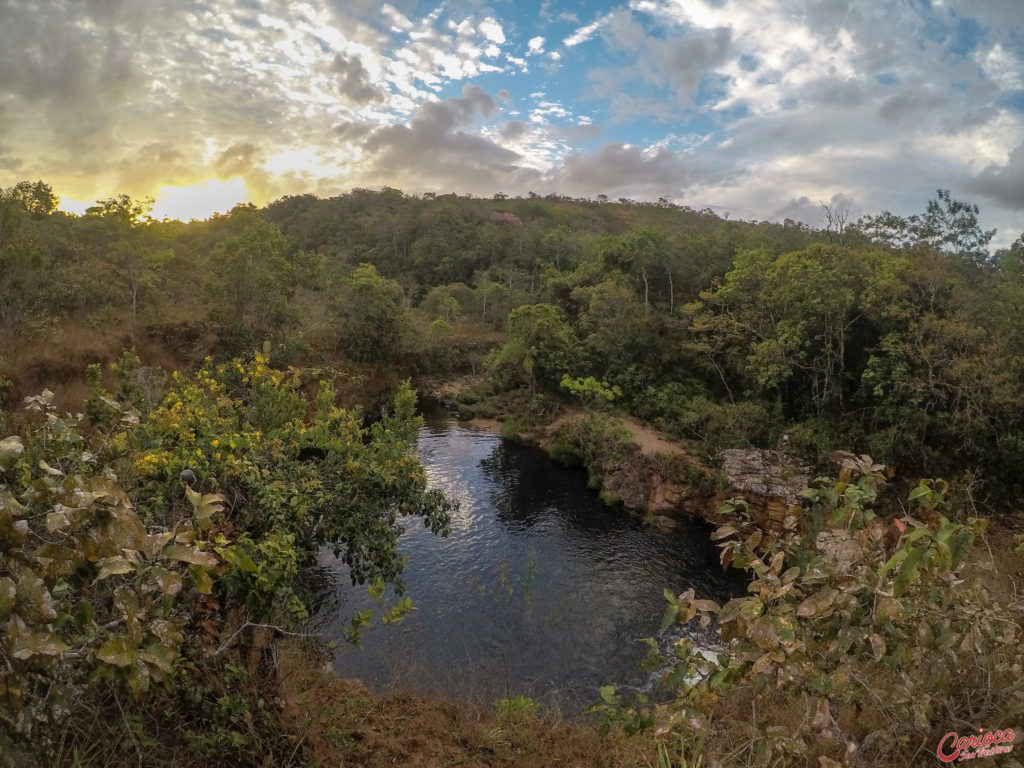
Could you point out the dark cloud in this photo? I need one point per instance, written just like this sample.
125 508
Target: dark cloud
439 149
1004 184
835 92
617 169
354 81
910 104
812 212
677 61
578 133
511 130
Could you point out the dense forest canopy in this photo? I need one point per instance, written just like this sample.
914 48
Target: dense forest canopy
893 335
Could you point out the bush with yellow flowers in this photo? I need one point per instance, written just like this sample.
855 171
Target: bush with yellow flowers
137 548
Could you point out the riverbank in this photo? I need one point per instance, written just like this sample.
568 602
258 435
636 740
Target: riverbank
632 465
339 722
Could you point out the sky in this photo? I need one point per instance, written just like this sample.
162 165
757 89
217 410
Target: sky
758 109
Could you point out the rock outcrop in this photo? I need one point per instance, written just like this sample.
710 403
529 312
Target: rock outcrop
769 481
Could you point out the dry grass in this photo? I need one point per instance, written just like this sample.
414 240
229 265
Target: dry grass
343 724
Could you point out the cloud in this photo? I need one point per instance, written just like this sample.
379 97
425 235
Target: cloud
812 212
618 169
795 100
354 81
1003 184
237 160
438 149
492 30
584 33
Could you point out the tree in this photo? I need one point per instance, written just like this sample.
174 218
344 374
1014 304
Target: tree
122 209
34 198
947 225
372 319
253 283
540 347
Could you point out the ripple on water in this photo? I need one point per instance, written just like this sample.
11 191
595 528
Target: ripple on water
540 589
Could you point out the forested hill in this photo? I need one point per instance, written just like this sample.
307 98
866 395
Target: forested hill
896 336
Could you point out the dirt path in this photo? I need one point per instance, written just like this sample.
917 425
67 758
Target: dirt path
651 441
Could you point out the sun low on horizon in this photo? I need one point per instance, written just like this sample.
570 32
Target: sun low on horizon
759 111
199 201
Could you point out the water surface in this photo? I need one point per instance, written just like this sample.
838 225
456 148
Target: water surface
540 589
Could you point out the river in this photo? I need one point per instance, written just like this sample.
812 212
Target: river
540 589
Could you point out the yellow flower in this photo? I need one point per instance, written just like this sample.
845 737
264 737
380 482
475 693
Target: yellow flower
215 442
199 452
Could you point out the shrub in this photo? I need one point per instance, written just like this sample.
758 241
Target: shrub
856 617
130 551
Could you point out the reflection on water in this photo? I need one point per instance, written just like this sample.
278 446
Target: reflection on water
540 589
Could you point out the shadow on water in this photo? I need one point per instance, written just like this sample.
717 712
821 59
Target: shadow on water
540 589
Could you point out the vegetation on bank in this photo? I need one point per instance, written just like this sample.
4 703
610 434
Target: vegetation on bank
152 550
156 551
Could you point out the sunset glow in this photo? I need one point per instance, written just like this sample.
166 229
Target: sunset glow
762 110
199 201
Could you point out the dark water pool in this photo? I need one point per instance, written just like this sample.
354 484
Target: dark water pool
540 589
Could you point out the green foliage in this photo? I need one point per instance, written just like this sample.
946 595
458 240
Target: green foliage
633 715
88 593
34 198
842 612
590 390
539 350
590 441
946 225
516 709
119 568
372 320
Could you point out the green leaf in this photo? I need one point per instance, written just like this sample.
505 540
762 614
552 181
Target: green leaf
669 618
10 449
893 561
201 579
160 656
608 694
190 555
111 566
916 535
959 544
118 651
908 571
238 557
918 492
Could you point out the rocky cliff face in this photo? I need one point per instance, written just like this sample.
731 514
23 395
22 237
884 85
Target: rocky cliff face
769 481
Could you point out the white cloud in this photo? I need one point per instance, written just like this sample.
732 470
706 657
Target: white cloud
535 46
492 30
583 34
